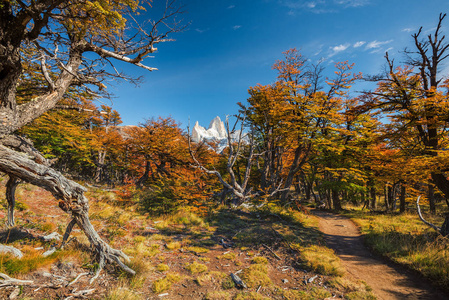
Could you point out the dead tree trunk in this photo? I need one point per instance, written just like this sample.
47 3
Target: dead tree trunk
11 185
70 194
443 230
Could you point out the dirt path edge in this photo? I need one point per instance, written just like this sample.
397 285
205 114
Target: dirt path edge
387 280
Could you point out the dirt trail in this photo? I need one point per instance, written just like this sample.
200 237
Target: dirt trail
387 280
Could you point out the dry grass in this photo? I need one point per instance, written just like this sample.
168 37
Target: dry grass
121 293
406 240
322 260
165 283
185 237
195 268
353 289
255 275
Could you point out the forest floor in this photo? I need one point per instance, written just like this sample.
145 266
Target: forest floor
388 280
279 254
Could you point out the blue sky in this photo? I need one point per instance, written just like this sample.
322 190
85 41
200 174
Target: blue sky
231 45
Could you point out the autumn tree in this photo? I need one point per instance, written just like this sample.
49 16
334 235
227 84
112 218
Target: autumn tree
76 44
301 107
415 97
161 167
108 141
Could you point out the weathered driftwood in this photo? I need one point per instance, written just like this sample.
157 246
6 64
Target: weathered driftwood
71 196
238 281
11 250
8 281
52 236
443 230
11 185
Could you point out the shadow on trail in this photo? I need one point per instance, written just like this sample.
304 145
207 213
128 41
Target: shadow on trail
388 280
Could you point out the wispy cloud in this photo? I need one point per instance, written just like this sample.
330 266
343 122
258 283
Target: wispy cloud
407 30
359 44
201 30
337 49
231 6
376 44
352 3
321 6
235 27
340 48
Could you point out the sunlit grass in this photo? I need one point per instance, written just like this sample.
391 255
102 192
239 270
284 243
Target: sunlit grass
195 268
32 260
322 260
406 240
165 283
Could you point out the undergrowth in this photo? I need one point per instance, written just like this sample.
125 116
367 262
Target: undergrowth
183 248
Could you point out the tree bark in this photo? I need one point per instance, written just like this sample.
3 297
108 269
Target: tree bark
373 197
336 200
11 185
431 198
402 199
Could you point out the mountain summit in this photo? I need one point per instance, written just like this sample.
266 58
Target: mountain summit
215 132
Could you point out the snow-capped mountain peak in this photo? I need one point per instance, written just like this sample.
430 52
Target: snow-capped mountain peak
215 132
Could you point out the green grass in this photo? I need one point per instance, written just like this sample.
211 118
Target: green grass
31 261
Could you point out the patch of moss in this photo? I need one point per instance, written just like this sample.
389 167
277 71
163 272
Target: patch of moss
195 268
322 260
173 245
256 275
259 260
198 250
228 256
218 295
165 283
162 267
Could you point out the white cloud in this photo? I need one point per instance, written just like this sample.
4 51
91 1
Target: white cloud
231 6
340 48
352 3
236 27
321 6
337 49
407 30
359 44
376 44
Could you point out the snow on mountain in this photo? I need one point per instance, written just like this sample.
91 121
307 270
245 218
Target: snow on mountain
215 132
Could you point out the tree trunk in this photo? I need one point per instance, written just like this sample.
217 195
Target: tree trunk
145 175
387 195
431 197
336 200
11 185
298 162
373 197
402 199
445 227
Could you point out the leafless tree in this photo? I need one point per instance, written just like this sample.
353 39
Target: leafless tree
239 188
